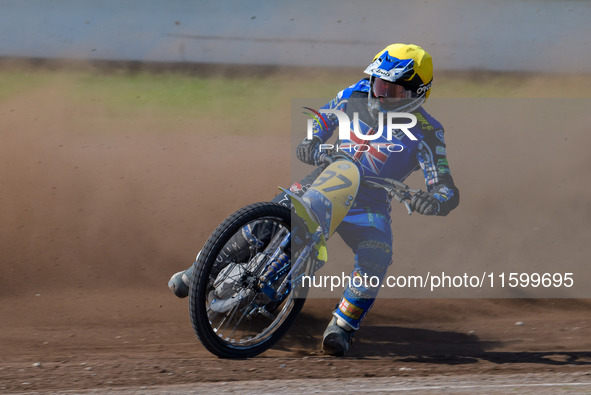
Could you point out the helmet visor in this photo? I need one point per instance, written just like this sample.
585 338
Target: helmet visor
388 90
389 96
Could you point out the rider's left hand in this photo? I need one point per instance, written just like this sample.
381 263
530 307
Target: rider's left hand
307 150
425 203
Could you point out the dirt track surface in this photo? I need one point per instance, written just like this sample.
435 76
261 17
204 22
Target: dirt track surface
99 210
525 383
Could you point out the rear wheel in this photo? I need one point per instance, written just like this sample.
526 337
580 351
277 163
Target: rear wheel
230 314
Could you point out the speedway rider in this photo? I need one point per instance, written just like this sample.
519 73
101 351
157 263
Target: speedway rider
400 78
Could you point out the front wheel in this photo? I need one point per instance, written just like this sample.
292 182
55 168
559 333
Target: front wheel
230 314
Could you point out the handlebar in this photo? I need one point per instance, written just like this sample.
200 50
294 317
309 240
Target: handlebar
330 156
396 189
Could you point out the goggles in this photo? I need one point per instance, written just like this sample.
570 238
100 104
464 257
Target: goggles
391 90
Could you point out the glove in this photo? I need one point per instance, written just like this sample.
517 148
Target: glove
307 150
424 203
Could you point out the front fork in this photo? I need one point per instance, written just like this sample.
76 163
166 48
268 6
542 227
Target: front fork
279 260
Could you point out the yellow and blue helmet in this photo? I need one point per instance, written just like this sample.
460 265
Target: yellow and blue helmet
401 77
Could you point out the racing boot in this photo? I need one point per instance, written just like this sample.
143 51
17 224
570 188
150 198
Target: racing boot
179 282
337 337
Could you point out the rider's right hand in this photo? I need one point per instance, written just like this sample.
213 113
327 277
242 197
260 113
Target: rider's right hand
307 151
425 203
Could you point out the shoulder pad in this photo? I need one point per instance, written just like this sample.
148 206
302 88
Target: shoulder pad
360 86
426 121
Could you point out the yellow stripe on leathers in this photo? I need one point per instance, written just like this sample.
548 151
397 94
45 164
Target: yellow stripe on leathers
339 184
302 211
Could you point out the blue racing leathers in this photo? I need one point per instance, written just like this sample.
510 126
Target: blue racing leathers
366 229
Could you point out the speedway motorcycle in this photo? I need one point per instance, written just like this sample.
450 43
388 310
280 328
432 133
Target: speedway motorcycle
242 303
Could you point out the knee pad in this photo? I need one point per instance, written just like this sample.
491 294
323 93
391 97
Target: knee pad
372 258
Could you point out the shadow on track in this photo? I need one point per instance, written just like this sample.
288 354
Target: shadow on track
423 346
